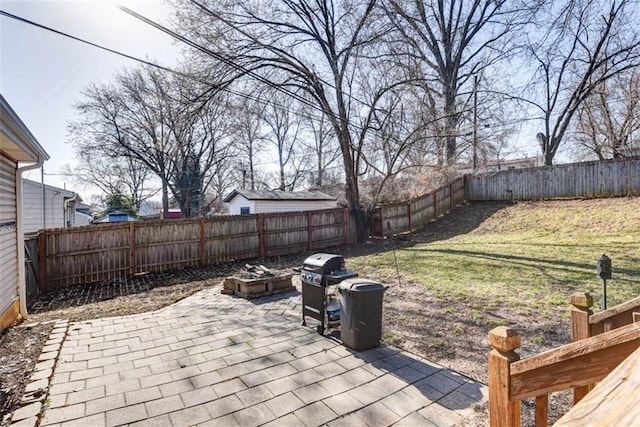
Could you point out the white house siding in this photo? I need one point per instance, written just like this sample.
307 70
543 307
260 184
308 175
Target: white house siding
263 206
240 202
54 206
82 219
8 235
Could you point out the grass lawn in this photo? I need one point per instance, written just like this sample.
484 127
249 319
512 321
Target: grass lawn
529 257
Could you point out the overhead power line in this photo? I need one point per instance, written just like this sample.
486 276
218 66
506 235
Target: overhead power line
125 55
225 88
247 96
221 58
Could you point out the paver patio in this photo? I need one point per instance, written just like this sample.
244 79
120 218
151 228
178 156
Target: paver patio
213 359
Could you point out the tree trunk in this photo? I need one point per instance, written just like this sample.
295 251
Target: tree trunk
165 199
451 127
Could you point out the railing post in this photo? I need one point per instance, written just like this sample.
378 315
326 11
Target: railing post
581 329
580 313
502 410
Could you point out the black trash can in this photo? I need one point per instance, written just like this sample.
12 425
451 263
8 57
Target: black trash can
361 313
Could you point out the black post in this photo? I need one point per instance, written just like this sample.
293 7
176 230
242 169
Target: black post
603 271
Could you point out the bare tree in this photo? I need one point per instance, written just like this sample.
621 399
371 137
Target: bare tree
610 118
175 128
251 138
443 45
117 121
322 146
313 45
398 132
284 134
587 43
114 175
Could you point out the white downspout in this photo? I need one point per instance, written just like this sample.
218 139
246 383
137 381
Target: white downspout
66 210
22 284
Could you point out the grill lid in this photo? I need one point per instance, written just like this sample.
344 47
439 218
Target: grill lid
324 263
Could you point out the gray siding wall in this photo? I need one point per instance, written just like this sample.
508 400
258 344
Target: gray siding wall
8 234
264 206
53 206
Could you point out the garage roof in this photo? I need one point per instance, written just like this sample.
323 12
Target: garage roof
279 195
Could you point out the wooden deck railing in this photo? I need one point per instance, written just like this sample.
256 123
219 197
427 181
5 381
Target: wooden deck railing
613 402
578 365
585 324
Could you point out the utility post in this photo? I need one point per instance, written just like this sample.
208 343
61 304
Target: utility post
475 122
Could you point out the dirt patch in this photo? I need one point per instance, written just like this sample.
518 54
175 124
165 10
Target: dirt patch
20 348
445 332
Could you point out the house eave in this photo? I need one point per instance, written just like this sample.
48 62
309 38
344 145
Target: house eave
16 141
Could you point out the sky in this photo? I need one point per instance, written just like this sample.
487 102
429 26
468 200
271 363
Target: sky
42 74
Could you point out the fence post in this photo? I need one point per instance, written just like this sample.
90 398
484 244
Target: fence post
451 197
309 231
435 205
347 226
132 248
581 329
203 241
502 410
42 261
261 233
409 215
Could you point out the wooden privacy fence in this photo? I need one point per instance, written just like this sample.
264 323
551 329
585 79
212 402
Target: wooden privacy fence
31 267
408 216
601 343
607 178
71 256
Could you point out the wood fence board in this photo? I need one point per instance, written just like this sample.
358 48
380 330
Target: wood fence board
165 245
74 253
93 253
609 178
231 237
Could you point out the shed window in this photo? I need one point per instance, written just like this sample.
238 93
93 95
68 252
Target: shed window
245 211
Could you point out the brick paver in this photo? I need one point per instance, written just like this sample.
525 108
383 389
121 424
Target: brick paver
213 359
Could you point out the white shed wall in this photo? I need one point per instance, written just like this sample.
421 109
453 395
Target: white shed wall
240 202
8 235
264 206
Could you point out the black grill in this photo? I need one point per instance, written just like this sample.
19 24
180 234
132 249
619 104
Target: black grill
318 272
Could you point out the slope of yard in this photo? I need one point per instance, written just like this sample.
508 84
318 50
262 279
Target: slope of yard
491 264
516 264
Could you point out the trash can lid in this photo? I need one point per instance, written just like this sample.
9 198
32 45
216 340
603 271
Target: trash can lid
361 285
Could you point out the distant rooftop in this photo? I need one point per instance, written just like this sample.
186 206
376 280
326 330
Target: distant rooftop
279 195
